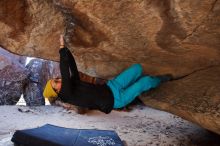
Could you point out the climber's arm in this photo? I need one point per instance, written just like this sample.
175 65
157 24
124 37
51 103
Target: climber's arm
64 69
73 66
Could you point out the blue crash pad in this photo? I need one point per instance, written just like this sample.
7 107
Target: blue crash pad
50 135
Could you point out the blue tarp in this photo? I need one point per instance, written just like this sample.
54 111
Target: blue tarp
50 135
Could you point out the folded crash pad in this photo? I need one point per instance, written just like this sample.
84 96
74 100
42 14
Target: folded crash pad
50 135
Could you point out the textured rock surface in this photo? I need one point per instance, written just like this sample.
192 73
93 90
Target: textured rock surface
172 36
33 94
13 77
195 98
40 71
7 58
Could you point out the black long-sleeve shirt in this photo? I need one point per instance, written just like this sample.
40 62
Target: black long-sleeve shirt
79 93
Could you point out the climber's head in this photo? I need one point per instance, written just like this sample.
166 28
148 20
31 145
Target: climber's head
52 89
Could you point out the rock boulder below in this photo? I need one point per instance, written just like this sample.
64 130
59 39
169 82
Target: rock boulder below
195 97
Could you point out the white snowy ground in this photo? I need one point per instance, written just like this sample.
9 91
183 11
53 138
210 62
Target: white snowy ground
143 126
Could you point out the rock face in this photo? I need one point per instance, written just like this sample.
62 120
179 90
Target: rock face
33 93
8 58
29 80
40 72
173 36
195 98
13 77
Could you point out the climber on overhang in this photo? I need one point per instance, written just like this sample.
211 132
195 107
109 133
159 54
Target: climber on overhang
115 93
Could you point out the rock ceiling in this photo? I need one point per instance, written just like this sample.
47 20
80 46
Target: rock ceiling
181 37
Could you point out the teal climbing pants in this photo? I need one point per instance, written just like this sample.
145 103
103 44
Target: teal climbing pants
129 84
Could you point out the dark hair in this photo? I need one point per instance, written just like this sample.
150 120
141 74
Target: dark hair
56 80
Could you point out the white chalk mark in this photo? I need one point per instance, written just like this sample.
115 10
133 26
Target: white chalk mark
102 141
